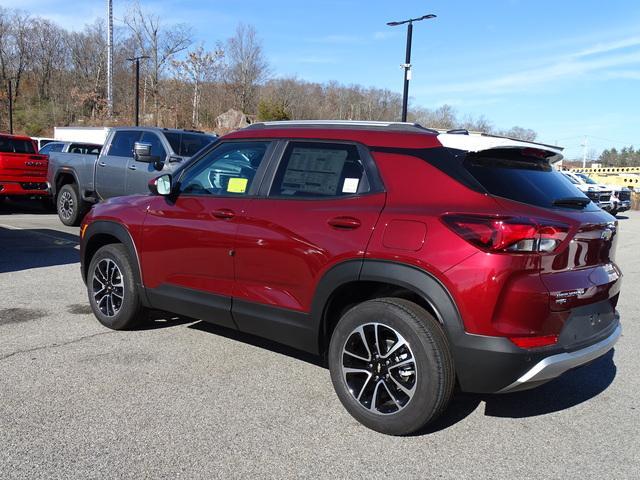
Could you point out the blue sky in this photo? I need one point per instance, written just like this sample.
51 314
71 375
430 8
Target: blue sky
564 68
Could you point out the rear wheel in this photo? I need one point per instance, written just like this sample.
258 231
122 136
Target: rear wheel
391 365
111 288
70 207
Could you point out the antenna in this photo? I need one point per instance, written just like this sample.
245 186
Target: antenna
110 57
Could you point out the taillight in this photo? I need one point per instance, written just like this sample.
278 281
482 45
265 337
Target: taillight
507 234
534 342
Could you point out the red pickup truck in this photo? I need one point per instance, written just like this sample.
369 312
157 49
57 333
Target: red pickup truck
23 172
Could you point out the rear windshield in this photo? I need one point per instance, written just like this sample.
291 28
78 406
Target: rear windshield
523 179
188 144
13 145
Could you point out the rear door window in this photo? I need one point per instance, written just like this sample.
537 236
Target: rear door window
522 178
319 169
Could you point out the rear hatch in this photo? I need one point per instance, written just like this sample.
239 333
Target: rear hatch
18 159
577 238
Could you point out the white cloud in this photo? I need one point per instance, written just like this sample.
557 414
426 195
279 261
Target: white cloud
585 62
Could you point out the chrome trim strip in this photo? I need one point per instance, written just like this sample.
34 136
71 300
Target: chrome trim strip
555 365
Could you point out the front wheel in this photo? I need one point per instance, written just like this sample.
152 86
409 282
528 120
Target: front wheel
111 288
391 365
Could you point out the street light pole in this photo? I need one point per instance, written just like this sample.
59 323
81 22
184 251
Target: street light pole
137 60
407 63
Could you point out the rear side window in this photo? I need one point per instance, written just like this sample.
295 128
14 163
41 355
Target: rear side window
523 179
52 147
315 169
12 145
122 143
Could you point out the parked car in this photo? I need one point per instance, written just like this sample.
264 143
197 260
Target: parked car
71 147
620 196
412 261
23 172
130 158
41 142
599 194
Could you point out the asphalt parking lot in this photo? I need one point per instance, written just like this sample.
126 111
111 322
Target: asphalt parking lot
181 398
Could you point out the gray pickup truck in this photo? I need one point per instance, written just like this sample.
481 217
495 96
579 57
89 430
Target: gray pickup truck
130 157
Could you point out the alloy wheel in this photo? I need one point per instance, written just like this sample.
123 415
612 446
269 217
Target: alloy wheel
66 205
379 368
108 287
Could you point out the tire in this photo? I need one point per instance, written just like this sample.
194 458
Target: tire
112 293
425 366
71 209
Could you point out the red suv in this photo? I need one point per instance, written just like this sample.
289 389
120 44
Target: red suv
412 260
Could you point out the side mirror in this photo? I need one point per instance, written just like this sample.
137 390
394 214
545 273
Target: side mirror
161 185
142 152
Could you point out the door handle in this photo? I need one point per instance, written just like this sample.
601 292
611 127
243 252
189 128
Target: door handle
344 223
102 164
132 167
224 213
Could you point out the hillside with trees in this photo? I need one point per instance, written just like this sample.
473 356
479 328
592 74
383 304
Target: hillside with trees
59 78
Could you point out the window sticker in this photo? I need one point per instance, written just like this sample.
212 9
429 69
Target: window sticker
237 185
314 170
350 185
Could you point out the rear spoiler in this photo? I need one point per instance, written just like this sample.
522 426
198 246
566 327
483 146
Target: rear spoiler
488 143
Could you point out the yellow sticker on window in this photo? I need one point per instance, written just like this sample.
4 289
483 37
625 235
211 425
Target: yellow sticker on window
237 185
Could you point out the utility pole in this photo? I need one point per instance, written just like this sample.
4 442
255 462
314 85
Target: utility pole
137 67
584 152
110 58
407 62
10 91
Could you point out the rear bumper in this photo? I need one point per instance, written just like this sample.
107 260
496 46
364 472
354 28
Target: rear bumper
555 365
495 365
29 187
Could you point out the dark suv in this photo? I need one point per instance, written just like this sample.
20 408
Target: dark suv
411 260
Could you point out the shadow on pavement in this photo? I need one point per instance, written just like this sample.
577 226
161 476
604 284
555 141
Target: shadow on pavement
23 249
26 205
569 390
258 342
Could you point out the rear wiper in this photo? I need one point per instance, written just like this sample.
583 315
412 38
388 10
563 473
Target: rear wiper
580 202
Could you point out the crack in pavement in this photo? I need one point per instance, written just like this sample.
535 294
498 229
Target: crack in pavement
55 345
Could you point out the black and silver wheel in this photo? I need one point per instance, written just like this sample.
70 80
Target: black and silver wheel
391 366
111 287
69 206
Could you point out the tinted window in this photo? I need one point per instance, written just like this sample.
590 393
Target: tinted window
311 169
228 169
522 179
13 145
157 149
52 147
122 143
188 144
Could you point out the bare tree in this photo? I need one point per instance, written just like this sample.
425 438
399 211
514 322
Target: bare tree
159 43
247 68
199 67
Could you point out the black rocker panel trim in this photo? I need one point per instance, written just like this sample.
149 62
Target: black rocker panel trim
282 325
195 304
